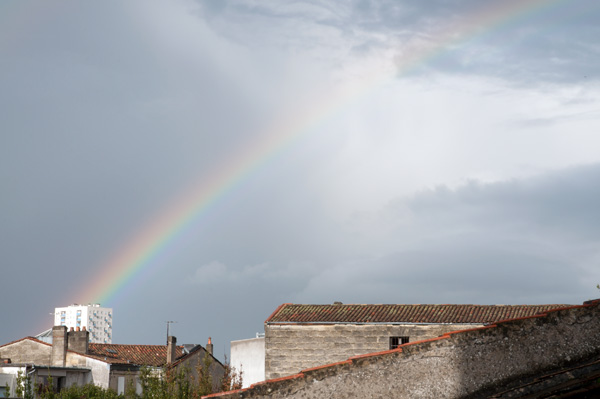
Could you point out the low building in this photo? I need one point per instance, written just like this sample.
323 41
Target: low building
553 354
248 357
72 360
303 336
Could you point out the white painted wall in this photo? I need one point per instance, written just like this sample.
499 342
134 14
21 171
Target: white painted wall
100 372
248 355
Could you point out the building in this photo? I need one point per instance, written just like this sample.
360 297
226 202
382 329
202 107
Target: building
298 337
248 356
72 360
552 354
95 319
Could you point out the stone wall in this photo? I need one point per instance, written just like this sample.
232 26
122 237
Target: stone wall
27 351
460 364
290 348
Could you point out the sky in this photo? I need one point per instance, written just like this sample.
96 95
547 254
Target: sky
204 162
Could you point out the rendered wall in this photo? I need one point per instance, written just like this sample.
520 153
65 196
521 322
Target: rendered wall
248 355
457 365
290 348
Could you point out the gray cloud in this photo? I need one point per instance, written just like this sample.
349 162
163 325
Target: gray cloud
111 111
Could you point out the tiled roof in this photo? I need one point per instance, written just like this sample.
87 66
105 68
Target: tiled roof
315 314
143 355
585 384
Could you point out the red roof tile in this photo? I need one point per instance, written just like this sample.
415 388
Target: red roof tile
143 355
478 314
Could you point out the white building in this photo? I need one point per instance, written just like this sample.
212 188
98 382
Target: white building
95 319
248 356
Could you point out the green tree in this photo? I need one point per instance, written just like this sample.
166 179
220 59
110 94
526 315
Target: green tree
23 388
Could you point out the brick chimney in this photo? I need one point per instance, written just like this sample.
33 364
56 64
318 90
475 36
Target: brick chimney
209 346
171 346
59 346
79 340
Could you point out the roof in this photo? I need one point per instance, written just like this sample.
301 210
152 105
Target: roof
565 381
143 355
338 313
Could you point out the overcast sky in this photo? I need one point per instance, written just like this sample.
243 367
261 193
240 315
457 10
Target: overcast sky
451 157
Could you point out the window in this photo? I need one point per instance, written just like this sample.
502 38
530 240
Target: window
397 341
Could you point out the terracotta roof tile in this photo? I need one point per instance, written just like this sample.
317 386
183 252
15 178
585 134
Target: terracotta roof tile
143 355
294 313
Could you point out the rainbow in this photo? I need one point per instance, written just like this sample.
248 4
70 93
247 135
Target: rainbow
127 265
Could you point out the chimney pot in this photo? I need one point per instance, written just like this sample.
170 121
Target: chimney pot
209 346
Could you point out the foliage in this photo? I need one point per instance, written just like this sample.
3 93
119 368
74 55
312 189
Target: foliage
88 391
6 390
205 383
24 389
46 391
178 383
232 380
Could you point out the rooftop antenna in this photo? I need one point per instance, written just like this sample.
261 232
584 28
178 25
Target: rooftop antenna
169 322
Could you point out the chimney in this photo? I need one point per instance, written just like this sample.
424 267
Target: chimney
171 346
59 346
209 346
79 340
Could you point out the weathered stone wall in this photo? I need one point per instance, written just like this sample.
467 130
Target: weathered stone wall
457 365
290 348
27 351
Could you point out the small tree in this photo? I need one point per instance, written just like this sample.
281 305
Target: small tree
232 379
204 384
24 389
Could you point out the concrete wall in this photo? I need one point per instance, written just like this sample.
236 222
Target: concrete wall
290 348
248 355
465 363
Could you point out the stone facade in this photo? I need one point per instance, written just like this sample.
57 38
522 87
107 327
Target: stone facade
27 351
473 363
290 348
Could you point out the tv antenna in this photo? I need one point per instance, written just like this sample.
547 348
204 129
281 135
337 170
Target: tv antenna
169 322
